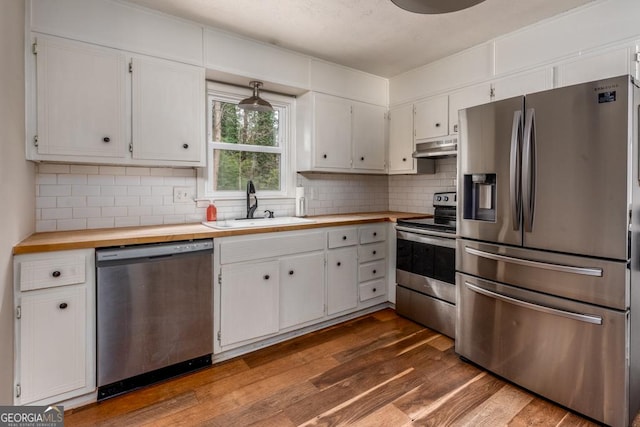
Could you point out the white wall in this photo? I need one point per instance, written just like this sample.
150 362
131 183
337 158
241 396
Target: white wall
17 184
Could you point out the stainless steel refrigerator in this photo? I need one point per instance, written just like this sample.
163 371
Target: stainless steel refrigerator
547 269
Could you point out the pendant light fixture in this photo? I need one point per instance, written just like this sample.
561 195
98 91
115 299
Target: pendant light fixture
434 7
254 102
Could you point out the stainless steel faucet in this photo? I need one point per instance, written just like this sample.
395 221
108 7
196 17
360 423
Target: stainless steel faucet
252 200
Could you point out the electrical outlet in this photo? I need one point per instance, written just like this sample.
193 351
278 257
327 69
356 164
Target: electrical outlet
183 195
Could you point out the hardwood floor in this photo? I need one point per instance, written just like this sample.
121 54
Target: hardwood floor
377 370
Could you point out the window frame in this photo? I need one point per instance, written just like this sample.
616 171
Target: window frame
234 94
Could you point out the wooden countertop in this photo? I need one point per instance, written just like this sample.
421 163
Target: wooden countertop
105 237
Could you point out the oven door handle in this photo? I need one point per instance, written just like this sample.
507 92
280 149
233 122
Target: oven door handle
431 233
585 271
412 236
596 320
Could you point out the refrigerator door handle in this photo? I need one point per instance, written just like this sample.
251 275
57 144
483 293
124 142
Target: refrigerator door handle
596 320
584 271
514 170
529 169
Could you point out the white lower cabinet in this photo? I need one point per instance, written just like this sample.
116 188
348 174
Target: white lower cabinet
275 283
249 301
55 326
301 289
342 279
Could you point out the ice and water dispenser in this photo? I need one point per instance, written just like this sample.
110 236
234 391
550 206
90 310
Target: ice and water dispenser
479 197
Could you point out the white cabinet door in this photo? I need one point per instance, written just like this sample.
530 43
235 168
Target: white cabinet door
81 100
431 118
465 98
342 279
594 67
249 297
168 111
332 132
369 128
401 143
301 289
52 342
522 84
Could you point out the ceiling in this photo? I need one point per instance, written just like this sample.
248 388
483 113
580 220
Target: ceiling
369 35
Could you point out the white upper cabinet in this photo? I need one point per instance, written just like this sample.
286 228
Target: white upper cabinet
340 135
401 143
465 98
81 107
594 67
369 129
522 84
431 118
168 111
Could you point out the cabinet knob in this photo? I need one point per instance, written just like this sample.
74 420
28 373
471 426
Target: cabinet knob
106 139
362 159
185 146
56 273
437 125
375 234
63 305
266 277
404 159
290 272
374 289
324 156
338 263
374 252
344 237
374 271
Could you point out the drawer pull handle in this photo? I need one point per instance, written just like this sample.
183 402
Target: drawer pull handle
63 305
185 146
404 159
374 289
344 237
266 277
290 272
437 125
324 156
375 234
106 139
375 271
362 159
374 252
339 264
56 273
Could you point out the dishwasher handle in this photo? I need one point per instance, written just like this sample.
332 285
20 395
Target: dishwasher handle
155 250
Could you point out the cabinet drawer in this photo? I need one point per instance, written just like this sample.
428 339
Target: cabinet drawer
372 270
343 237
373 233
372 289
51 272
372 252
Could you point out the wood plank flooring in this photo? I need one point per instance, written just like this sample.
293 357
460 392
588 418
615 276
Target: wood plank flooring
377 370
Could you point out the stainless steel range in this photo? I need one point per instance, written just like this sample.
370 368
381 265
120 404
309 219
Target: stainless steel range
425 267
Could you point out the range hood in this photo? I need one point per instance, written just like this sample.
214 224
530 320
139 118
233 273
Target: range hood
436 149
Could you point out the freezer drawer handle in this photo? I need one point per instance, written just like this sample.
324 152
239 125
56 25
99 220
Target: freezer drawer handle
596 320
585 271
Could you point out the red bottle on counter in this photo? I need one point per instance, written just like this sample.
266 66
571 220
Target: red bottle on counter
212 212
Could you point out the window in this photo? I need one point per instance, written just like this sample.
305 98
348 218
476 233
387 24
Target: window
247 145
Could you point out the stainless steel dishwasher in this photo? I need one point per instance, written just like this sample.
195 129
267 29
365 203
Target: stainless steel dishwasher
154 313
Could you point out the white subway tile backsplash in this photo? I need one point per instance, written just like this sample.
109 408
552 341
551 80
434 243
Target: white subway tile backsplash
163 210
46 202
139 190
112 170
174 219
100 201
127 221
127 201
71 202
47 178
161 172
113 190
104 222
101 179
54 190
162 190
85 190
127 180
84 169
139 211
175 180
87 213
72 179
152 180
71 224
135 171
151 220
152 200
48 225
115 211
52 168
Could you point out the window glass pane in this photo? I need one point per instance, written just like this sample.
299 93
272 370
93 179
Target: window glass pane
232 169
234 125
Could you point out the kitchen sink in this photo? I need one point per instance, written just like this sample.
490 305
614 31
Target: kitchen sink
229 224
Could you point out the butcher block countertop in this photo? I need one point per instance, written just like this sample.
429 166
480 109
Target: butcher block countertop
105 237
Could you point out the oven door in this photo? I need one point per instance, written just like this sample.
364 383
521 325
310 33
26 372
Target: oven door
426 264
